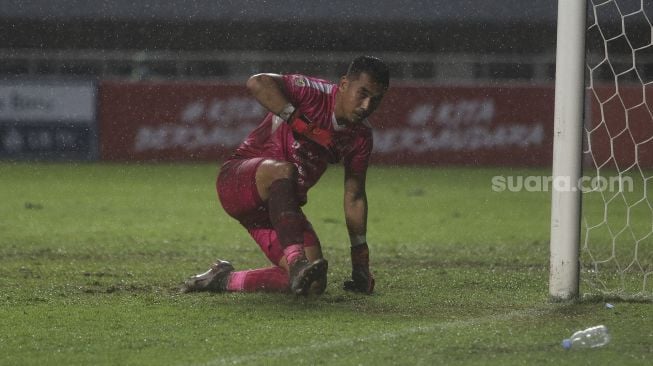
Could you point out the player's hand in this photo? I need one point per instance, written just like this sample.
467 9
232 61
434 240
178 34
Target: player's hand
362 279
305 127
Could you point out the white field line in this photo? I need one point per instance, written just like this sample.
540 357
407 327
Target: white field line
256 357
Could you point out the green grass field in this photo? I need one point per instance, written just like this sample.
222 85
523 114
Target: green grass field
91 257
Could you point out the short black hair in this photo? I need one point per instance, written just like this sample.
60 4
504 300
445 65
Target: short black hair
372 66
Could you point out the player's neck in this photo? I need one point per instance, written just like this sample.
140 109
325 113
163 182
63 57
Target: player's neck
337 111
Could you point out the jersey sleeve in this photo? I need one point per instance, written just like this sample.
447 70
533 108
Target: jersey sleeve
300 90
358 159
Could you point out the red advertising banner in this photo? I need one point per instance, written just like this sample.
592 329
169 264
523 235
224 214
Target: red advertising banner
509 125
155 121
423 125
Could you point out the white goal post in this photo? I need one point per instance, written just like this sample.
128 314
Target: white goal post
602 235
567 150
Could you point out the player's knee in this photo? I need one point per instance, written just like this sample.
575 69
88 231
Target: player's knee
284 170
271 171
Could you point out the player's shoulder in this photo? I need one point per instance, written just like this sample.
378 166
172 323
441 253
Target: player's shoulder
311 82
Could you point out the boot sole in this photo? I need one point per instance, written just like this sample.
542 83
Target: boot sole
312 272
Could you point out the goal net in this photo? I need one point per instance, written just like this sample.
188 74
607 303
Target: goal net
616 250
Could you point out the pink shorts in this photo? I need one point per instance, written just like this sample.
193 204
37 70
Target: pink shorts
236 186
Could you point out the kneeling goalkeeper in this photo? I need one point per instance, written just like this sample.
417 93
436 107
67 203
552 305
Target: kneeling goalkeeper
264 184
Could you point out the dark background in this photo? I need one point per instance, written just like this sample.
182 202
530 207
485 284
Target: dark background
481 26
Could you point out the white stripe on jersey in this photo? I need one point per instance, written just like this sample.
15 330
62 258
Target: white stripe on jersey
323 87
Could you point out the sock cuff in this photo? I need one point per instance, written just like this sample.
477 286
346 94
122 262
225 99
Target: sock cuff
293 252
236 281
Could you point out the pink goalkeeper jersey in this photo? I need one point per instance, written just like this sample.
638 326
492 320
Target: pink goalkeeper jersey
274 139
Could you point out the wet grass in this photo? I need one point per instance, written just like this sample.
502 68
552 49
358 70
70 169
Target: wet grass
91 257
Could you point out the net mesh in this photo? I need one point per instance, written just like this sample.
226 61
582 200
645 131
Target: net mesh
617 217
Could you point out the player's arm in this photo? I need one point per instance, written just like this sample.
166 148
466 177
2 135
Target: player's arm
270 91
355 205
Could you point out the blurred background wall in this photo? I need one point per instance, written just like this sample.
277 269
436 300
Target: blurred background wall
472 80
425 40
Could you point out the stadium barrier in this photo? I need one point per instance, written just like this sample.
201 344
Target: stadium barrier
166 121
48 119
508 125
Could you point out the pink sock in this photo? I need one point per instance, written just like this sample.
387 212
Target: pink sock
272 279
293 252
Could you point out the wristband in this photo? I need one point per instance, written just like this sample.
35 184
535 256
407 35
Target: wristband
356 240
287 111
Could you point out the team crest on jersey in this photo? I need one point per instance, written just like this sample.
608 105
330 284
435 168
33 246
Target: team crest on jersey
300 82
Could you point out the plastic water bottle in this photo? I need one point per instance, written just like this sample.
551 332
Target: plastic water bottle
593 337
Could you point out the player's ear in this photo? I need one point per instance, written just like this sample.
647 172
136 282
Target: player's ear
344 83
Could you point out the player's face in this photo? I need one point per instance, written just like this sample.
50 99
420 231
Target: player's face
359 97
